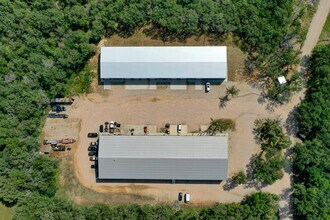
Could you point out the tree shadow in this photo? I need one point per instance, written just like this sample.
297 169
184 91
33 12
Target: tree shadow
305 61
288 154
291 123
223 101
251 179
216 39
285 211
161 34
270 103
230 184
9 204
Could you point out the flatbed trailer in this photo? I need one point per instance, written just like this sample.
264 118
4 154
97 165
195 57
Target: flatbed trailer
63 101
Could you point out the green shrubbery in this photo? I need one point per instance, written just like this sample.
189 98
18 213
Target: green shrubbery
268 165
311 164
220 126
257 206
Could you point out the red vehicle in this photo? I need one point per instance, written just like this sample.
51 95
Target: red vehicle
67 141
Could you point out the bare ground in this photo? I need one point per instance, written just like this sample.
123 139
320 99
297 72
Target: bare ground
191 107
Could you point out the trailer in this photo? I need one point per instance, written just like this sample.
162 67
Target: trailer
67 141
52 142
53 115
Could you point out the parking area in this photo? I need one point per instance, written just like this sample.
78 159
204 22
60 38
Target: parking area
154 109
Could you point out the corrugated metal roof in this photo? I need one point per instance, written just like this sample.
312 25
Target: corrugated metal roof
163 157
164 62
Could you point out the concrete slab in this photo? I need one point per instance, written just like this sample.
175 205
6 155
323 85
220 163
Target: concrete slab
199 85
106 84
204 128
179 84
136 84
152 84
174 130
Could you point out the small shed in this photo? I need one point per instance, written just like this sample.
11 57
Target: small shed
281 80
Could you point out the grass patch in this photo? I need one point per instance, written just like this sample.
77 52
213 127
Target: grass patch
325 35
80 83
70 188
308 11
6 213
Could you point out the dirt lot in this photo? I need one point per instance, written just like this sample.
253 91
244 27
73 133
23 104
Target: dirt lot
191 107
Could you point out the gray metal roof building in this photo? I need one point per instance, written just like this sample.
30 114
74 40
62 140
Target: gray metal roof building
188 62
163 157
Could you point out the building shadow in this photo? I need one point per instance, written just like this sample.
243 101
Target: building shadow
155 181
159 82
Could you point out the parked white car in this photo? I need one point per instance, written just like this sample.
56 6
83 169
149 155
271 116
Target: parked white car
179 128
187 198
207 86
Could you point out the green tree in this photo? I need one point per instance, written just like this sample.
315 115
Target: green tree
269 170
240 178
221 125
232 91
262 205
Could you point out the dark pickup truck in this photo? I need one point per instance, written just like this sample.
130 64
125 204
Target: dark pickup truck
59 148
53 115
92 135
91 148
58 108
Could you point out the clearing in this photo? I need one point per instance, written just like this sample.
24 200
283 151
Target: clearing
157 107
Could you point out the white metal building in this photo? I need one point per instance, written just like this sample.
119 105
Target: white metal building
188 62
163 158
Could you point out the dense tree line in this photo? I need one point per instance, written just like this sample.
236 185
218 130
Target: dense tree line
44 47
257 206
311 159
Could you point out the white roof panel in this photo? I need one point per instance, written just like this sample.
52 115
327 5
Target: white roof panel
208 62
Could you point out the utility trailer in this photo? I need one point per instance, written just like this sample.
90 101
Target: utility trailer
67 141
53 115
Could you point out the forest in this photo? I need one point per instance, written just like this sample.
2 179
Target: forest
311 164
45 45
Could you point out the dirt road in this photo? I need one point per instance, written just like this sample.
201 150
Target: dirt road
311 40
315 27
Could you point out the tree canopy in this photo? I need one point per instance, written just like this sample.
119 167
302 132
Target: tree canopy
311 164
